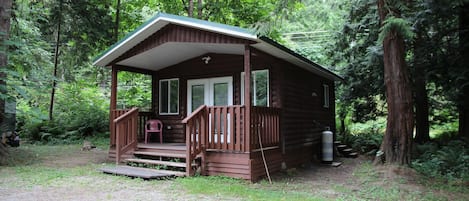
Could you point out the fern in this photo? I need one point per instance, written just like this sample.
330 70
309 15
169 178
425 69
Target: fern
400 25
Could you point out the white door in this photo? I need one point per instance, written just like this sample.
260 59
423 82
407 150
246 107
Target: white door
211 92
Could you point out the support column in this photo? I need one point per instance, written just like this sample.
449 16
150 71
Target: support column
113 104
247 95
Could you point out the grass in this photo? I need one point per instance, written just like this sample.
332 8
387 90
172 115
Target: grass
34 168
235 188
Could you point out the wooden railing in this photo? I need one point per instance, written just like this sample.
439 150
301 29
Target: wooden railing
266 121
126 132
226 128
114 115
196 137
143 117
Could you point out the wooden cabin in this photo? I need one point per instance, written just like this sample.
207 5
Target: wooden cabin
224 95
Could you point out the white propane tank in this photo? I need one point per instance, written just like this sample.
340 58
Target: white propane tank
327 146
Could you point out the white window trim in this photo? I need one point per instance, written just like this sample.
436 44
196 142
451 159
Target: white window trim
326 95
254 87
169 97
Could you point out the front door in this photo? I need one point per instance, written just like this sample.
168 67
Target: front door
211 92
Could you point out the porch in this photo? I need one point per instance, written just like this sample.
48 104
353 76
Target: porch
218 140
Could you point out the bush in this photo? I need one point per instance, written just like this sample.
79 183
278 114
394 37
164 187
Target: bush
365 143
80 111
450 161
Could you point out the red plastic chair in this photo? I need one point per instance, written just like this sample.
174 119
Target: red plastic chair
153 126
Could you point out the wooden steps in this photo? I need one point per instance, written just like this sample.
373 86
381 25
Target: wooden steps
154 161
345 150
145 173
157 162
161 154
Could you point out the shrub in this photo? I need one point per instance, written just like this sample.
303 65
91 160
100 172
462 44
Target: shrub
365 143
450 161
81 111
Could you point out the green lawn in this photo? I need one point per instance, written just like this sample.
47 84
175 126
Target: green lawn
65 172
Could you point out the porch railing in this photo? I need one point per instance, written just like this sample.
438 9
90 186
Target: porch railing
222 128
143 117
226 128
266 122
125 132
196 138
114 115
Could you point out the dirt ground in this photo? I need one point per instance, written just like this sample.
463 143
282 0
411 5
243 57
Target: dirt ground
86 183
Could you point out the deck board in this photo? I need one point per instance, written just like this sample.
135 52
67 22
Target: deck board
166 146
143 173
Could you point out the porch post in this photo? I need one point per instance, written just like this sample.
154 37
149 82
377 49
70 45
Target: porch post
247 96
113 104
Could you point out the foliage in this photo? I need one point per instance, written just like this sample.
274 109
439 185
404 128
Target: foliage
402 27
449 161
81 112
365 143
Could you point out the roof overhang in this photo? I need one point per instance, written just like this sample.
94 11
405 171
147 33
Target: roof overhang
171 53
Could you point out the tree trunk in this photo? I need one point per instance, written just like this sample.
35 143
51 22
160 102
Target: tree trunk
464 49
56 63
397 142
5 15
116 25
191 8
422 125
199 9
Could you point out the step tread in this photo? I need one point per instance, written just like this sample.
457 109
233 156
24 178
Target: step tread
163 154
158 162
347 150
342 146
145 173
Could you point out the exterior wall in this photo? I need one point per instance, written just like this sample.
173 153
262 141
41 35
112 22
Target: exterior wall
237 165
220 65
303 115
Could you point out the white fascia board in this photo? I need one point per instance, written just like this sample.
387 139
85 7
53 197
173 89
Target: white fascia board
205 27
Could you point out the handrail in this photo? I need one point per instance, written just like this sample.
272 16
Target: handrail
126 132
196 132
202 107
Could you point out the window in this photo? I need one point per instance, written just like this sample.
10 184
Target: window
169 96
259 89
326 95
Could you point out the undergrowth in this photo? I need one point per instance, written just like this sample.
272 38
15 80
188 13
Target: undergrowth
443 160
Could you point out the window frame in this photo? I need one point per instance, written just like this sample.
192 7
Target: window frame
253 89
326 95
169 96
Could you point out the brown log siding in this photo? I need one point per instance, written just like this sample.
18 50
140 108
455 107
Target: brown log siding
303 115
221 65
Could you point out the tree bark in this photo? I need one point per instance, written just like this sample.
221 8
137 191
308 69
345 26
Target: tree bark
117 22
422 125
56 63
5 15
191 8
397 142
464 50
199 9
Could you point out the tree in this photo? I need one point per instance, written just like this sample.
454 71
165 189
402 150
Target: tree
5 15
463 78
397 142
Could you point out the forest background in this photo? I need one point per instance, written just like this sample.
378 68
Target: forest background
60 97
